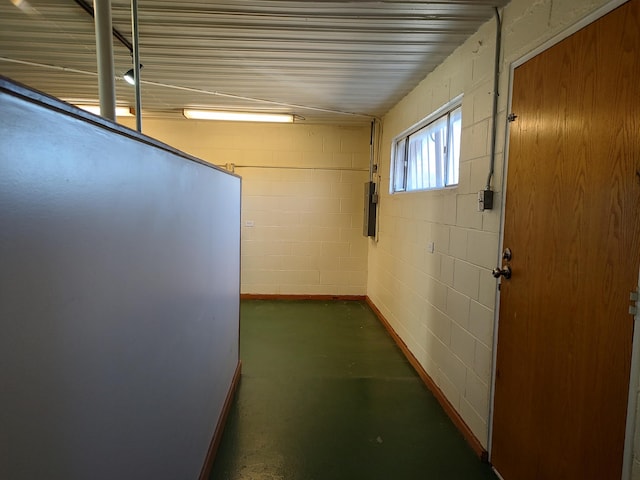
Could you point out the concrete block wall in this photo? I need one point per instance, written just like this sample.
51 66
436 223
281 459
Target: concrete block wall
442 304
302 199
306 234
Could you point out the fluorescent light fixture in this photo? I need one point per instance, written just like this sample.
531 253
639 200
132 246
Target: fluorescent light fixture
95 109
24 6
237 116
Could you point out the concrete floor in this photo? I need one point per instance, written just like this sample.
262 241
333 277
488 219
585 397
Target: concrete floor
325 394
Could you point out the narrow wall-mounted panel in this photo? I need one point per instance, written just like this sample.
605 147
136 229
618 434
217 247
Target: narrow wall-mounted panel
369 221
119 298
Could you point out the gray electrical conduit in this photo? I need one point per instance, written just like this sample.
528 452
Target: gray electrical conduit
371 150
496 80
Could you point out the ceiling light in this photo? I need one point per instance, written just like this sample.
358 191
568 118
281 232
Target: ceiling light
95 109
130 76
24 6
237 116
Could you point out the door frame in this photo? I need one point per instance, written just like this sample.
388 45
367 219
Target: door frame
634 378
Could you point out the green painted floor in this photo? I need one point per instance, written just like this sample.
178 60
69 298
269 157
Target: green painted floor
325 394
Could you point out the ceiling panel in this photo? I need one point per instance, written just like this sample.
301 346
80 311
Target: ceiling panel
325 61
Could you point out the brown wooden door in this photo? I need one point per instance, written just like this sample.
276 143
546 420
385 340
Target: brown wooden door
572 222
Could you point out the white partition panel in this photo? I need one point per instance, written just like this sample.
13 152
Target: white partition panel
119 298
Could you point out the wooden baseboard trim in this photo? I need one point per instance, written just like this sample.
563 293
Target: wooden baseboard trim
431 385
205 473
277 296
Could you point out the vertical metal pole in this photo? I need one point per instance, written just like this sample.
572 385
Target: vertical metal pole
136 63
104 48
632 402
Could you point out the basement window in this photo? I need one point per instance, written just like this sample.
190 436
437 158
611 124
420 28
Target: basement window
427 156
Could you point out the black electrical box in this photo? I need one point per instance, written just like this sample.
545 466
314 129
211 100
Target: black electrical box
370 201
485 200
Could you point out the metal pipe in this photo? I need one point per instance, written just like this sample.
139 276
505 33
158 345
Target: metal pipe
496 80
136 63
104 48
371 150
278 167
89 9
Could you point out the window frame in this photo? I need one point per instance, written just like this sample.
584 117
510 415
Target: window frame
443 112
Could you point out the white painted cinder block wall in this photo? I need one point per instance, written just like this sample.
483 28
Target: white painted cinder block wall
302 199
307 223
442 304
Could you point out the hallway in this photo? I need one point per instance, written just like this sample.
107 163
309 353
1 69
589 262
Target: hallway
325 394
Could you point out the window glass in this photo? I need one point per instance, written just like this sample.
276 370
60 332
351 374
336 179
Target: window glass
401 150
455 132
428 156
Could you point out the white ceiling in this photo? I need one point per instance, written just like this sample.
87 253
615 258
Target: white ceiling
313 59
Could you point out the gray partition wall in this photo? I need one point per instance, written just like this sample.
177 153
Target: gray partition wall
119 298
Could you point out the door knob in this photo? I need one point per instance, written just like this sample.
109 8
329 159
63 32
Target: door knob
502 272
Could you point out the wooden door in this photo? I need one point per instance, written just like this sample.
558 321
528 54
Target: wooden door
572 223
